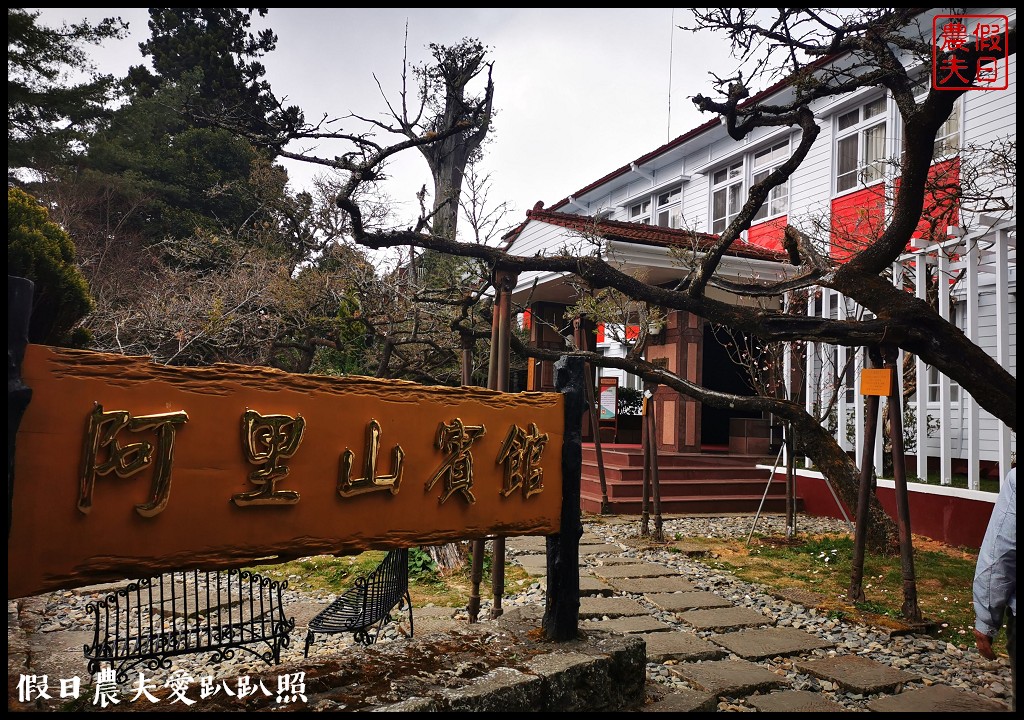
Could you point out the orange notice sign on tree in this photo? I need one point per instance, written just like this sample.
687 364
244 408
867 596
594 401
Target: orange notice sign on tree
125 468
876 381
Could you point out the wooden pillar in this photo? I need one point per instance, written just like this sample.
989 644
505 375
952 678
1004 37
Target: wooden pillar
562 601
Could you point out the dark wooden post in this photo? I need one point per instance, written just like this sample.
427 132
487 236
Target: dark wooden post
582 334
910 608
652 439
504 283
562 604
19 311
477 547
645 441
856 590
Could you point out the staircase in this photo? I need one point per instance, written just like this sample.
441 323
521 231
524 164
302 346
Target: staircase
690 483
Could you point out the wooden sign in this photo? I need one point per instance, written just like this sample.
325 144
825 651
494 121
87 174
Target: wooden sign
126 468
876 381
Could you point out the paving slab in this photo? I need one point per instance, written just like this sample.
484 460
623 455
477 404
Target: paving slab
641 586
694 600
758 643
799 596
662 646
535 571
683 701
591 607
590 585
936 698
590 538
787 701
724 618
600 548
428 620
729 677
634 570
531 561
858 674
691 549
620 560
629 625
527 543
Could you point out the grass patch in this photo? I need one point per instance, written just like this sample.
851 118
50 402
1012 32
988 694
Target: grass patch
328 574
958 481
822 564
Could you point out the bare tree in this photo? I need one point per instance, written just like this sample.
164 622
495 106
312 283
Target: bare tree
868 39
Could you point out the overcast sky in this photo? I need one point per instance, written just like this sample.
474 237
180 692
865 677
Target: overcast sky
579 92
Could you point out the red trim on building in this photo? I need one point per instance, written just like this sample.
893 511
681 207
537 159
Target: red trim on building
858 218
768 234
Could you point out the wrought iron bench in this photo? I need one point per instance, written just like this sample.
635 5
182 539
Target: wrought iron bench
367 603
150 621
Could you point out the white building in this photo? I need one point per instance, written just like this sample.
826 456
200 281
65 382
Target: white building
685 192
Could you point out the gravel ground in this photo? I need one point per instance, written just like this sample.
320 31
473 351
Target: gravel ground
934 660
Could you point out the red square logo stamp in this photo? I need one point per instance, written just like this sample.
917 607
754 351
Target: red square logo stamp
952 70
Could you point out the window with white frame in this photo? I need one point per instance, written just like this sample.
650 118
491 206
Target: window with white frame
947 139
777 202
670 208
726 196
640 212
860 148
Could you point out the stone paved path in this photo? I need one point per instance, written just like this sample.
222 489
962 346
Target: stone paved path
706 649
719 650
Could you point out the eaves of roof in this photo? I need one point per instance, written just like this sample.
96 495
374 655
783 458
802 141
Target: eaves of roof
690 134
642 234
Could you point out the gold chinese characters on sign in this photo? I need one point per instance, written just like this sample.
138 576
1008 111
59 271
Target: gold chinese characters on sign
269 440
520 454
347 486
127 460
455 441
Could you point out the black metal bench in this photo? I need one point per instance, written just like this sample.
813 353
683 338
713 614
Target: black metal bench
190 611
368 603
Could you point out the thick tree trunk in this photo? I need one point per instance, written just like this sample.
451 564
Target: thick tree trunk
450 557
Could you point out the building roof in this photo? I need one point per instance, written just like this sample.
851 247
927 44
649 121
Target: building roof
700 129
640 234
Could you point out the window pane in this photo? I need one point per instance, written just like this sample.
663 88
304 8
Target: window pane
847 164
874 152
875 107
735 199
947 139
720 176
780 199
669 197
718 211
849 119
735 170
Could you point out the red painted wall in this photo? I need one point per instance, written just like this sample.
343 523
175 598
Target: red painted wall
857 219
768 234
953 520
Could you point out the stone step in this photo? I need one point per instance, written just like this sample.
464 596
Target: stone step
634 473
633 456
669 487
699 505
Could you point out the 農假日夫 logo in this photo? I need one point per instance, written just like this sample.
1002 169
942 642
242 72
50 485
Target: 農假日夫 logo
969 52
